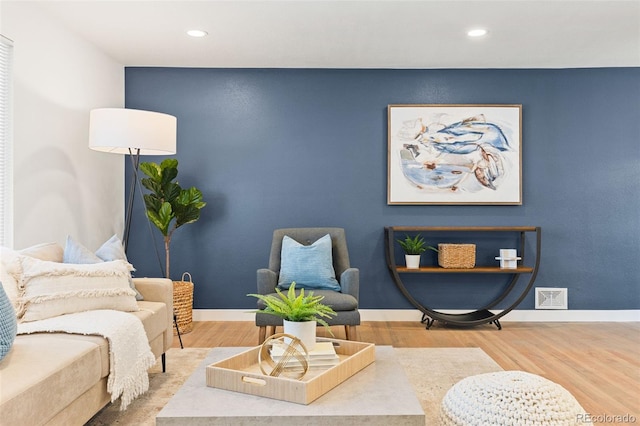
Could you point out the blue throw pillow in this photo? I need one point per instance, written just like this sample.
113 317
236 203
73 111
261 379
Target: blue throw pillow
310 266
75 252
111 250
8 324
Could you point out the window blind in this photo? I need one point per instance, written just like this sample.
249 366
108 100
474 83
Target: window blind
6 144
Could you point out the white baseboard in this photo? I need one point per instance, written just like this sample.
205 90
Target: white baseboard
222 315
631 315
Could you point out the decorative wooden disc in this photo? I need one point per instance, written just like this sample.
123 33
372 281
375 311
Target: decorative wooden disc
294 361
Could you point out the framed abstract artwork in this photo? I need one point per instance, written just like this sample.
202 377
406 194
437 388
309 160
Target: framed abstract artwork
454 154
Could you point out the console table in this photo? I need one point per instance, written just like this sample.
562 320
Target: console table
481 315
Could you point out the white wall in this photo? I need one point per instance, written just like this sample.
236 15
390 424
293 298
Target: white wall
61 186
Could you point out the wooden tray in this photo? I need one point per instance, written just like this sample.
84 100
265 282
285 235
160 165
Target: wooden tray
241 373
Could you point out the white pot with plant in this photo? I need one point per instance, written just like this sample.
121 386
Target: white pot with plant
300 313
413 248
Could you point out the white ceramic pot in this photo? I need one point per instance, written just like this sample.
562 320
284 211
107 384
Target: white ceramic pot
413 261
305 331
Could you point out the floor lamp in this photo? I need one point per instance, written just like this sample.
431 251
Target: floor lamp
133 132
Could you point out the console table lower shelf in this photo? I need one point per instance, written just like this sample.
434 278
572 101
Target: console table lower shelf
480 316
379 395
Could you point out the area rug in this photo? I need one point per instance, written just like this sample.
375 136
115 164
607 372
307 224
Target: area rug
431 371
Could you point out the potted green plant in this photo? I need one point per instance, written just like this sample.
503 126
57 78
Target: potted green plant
300 313
413 248
169 206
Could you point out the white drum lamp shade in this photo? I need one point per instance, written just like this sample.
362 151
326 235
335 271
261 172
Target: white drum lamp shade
132 131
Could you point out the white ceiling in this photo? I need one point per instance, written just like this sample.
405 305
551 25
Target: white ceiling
359 34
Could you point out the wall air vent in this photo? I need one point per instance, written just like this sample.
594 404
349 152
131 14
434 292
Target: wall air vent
551 298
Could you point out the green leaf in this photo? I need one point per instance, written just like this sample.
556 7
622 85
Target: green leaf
152 202
166 213
169 163
171 192
155 219
162 218
190 196
151 185
152 170
294 306
168 174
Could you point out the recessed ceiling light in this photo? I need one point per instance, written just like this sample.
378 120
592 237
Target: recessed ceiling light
479 32
197 33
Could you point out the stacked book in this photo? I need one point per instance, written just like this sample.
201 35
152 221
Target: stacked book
322 356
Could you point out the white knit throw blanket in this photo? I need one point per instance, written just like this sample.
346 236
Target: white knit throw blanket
129 353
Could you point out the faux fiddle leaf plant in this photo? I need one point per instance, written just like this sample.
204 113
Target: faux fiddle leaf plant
169 206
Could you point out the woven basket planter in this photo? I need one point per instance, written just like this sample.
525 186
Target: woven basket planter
183 304
457 255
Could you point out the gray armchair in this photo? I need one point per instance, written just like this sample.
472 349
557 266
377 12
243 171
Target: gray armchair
344 302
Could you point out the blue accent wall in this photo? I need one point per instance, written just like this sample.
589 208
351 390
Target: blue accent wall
275 148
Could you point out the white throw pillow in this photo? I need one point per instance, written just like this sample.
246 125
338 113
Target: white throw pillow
10 265
48 289
52 252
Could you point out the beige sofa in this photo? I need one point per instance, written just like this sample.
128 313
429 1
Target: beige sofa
61 379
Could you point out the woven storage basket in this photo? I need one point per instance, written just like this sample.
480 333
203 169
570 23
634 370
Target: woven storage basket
183 304
457 255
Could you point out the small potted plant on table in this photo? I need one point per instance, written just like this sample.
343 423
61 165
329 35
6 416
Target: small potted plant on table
300 313
413 248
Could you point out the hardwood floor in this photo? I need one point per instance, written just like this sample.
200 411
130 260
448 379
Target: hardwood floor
599 363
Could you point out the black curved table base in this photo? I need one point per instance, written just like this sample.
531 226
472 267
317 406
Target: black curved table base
464 318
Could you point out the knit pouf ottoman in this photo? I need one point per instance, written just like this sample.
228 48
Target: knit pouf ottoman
509 398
